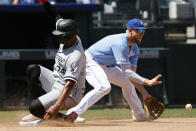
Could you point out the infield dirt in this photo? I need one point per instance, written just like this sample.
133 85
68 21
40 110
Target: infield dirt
162 124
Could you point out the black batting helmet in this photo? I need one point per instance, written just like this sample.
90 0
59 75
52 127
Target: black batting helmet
66 27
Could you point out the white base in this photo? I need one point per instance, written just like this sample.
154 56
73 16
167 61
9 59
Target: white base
30 123
37 122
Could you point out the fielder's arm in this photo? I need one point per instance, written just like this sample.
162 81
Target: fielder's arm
126 68
139 87
53 110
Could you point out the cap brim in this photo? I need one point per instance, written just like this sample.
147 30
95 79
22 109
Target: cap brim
56 32
143 28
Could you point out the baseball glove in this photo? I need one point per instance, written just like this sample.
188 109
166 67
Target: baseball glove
153 108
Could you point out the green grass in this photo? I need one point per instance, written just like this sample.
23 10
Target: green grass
126 113
181 112
7 116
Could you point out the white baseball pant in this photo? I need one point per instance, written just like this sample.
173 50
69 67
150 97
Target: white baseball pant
100 76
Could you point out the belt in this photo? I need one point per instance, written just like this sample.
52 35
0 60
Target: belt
111 66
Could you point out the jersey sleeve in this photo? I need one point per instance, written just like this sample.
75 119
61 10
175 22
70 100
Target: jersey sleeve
134 59
73 68
120 53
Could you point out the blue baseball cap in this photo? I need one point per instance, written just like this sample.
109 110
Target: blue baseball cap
136 24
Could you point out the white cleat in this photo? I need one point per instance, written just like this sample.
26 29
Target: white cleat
79 120
141 118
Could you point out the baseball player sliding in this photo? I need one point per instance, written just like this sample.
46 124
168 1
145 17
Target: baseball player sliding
64 87
114 59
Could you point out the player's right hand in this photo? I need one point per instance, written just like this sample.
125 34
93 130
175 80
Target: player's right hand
154 81
42 1
51 112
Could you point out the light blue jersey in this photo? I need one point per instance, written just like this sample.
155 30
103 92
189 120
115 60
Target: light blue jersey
114 50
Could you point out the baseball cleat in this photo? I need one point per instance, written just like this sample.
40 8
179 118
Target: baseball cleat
141 118
79 120
69 118
30 117
72 117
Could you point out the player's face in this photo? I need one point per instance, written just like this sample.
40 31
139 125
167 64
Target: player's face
139 35
136 35
61 39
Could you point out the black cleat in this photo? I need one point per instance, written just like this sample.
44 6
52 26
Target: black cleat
69 118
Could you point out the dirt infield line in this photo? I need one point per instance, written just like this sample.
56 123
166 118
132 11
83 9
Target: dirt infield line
163 124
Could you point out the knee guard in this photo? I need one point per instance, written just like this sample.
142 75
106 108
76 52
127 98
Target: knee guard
37 109
33 72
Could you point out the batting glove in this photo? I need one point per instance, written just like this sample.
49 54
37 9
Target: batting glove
42 1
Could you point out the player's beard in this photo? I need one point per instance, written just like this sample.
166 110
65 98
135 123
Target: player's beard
136 39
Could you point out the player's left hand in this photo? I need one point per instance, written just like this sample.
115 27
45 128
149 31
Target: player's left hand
52 112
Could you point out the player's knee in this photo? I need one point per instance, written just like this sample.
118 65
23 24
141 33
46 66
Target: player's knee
37 109
33 71
107 89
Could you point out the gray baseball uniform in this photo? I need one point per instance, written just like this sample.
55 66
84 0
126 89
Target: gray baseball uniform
69 64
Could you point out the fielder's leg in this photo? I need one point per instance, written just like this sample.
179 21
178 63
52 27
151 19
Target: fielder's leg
98 79
116 77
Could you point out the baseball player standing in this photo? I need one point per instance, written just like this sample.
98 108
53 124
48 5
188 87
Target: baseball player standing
114 59
64 87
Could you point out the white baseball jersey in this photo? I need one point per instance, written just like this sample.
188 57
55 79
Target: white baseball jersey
70 64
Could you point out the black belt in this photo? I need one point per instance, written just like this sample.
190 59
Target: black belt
111 66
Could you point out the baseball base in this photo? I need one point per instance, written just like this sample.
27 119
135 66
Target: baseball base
30 123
